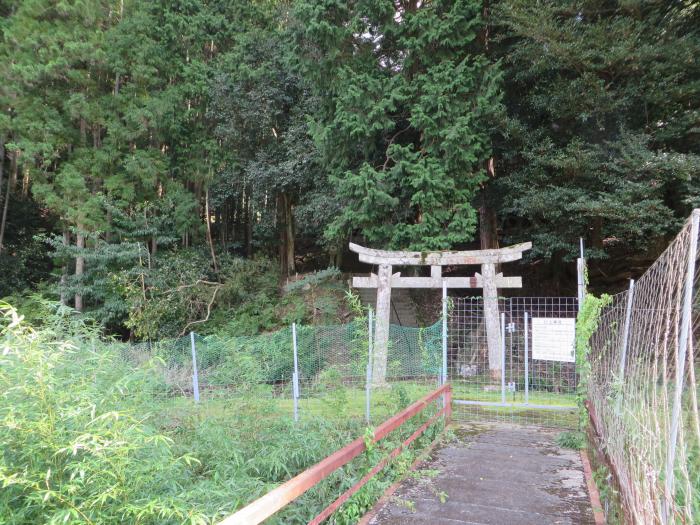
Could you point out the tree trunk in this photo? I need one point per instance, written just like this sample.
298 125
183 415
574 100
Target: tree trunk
488 221
335 257
25 183
289 227
13 170
2 174
488 225
83 132
236 219
64 270
79 266
248 228
286 229
210 240
222 214
2 160
282 232
6 204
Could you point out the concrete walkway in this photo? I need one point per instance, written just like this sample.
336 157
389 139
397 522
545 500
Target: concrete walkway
493 474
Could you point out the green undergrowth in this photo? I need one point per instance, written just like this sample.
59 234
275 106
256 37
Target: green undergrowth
572 439
586 325
87 438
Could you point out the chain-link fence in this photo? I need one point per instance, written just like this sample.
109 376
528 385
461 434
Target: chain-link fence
643 390
303 370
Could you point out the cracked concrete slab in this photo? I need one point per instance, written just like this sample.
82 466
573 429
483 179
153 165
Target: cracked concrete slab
493 474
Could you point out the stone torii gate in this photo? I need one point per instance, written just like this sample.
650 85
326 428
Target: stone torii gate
384 281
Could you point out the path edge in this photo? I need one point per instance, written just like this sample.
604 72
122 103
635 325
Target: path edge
593 493
384 498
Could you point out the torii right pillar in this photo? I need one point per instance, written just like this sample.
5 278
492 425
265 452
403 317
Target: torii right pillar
491 316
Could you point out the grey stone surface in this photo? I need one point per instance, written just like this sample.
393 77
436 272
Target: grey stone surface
494 474
403 309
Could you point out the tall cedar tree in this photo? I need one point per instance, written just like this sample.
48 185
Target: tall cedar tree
261 105
601 138
403 127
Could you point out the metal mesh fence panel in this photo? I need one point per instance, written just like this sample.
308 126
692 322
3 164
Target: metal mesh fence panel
332 381
643 390
169 361
304 371
414 364
537 380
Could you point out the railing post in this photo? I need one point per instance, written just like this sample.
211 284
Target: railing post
687 311
195 377
295 375
444 333
368 381
503 358
625 342
527 360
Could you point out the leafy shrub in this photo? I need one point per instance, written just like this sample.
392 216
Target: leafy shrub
573 439
247 303
163 298
72 450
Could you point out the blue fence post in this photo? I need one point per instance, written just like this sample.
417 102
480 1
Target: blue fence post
503 358
527 360
195 378
295 375
368 382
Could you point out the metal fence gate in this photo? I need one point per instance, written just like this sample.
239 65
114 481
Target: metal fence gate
537 380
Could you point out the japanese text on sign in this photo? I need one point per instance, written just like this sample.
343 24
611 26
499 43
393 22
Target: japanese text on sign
553 339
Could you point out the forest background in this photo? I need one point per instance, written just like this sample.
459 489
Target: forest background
170 165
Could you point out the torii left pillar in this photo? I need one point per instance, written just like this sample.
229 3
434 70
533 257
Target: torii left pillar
380 347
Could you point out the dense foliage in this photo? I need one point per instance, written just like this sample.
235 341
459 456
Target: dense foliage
403 126
87 436
601 138
145 145
72 450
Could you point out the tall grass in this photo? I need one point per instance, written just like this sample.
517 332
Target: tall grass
87 437
72 450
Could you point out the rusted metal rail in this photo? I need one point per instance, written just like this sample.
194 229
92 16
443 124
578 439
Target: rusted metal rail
278 498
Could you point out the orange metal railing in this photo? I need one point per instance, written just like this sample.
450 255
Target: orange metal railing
278 498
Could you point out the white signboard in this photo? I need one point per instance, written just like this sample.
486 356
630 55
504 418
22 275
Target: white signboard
554 339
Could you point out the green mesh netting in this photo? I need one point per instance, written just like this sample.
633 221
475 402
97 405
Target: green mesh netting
329 357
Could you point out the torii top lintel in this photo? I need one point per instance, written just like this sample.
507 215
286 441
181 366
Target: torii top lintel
440 258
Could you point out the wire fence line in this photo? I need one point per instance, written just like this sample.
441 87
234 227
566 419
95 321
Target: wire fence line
307 370
642 387
327 370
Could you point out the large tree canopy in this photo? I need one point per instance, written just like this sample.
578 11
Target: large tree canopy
138 137
602 134
403 127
